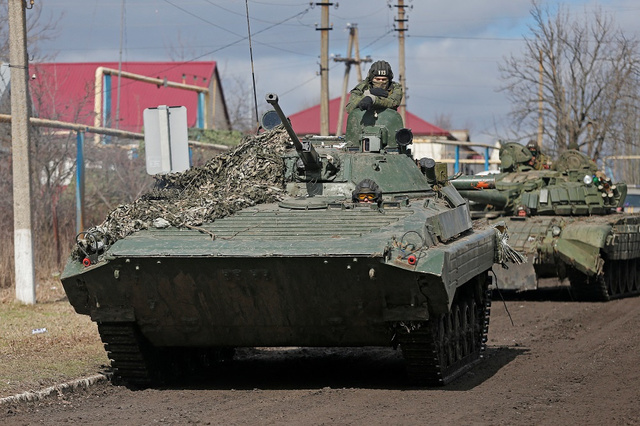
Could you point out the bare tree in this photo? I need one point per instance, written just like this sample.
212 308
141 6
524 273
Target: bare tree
240 105
581 75
181 49
38 30
444 121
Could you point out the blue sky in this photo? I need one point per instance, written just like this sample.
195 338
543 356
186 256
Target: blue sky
453 48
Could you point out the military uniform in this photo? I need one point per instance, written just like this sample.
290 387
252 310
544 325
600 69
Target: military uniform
393 91
379 102
539 160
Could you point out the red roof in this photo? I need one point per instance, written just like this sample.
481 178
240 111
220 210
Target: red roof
308 121
66 91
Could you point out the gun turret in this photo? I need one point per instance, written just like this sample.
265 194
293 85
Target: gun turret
543 192
305 149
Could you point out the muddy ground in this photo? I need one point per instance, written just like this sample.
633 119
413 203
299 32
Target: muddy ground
560 362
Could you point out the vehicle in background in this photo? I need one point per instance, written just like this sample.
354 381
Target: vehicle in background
567 220
632 202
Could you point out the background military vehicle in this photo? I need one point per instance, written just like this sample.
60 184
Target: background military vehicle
566 220
363 249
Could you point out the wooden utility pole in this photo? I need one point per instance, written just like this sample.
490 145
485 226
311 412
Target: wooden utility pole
22 237
401 20
324 68
356 44
353 40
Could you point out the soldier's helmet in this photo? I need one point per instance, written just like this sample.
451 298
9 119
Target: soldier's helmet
380 69
367 191
533 147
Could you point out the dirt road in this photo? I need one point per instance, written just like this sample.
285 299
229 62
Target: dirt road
560 362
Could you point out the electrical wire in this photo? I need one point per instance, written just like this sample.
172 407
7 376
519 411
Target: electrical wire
378 39
466 38
233 12
202 19
243 38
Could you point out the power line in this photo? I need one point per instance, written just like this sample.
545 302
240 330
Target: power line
466 38
202 19
243 38
306 81
233 12
378 39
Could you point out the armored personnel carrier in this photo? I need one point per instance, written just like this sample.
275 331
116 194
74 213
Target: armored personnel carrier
364 248
566 219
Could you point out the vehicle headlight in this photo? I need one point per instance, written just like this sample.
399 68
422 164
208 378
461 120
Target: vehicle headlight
587 179
556 230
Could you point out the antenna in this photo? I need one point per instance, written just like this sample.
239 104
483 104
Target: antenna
253 74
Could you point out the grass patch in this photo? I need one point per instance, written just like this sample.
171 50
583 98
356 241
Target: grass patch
69 349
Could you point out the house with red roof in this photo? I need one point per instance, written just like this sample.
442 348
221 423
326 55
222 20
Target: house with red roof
111 94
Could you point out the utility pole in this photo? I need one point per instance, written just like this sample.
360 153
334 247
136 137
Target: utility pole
348 61
401 20
356 44
324 68
22 240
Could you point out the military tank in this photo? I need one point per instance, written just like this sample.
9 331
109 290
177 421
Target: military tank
566 219
364 249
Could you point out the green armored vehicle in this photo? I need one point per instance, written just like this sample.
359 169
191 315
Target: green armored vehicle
364 248
566 220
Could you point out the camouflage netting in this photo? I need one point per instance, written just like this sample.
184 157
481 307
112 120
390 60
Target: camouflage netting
251 174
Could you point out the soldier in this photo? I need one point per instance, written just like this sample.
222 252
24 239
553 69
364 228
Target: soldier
377 91
539 161
367 191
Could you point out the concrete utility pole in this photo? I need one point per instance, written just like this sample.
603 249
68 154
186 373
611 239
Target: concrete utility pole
353 40
401 20
23 240
324 68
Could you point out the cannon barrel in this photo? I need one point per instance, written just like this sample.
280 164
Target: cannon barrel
481 189
306 151
498 199
467 182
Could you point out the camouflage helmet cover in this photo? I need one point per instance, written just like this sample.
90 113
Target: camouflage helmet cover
380 68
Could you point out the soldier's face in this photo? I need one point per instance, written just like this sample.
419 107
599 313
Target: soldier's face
365 197
380 81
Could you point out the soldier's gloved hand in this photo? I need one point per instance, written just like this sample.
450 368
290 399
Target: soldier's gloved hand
379 91
366 103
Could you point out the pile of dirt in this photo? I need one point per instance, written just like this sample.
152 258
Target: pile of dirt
251 174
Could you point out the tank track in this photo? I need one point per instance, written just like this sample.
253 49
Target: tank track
136 363
442 349
129 354
620 278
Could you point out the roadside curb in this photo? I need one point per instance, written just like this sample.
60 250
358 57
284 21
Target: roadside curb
59 389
